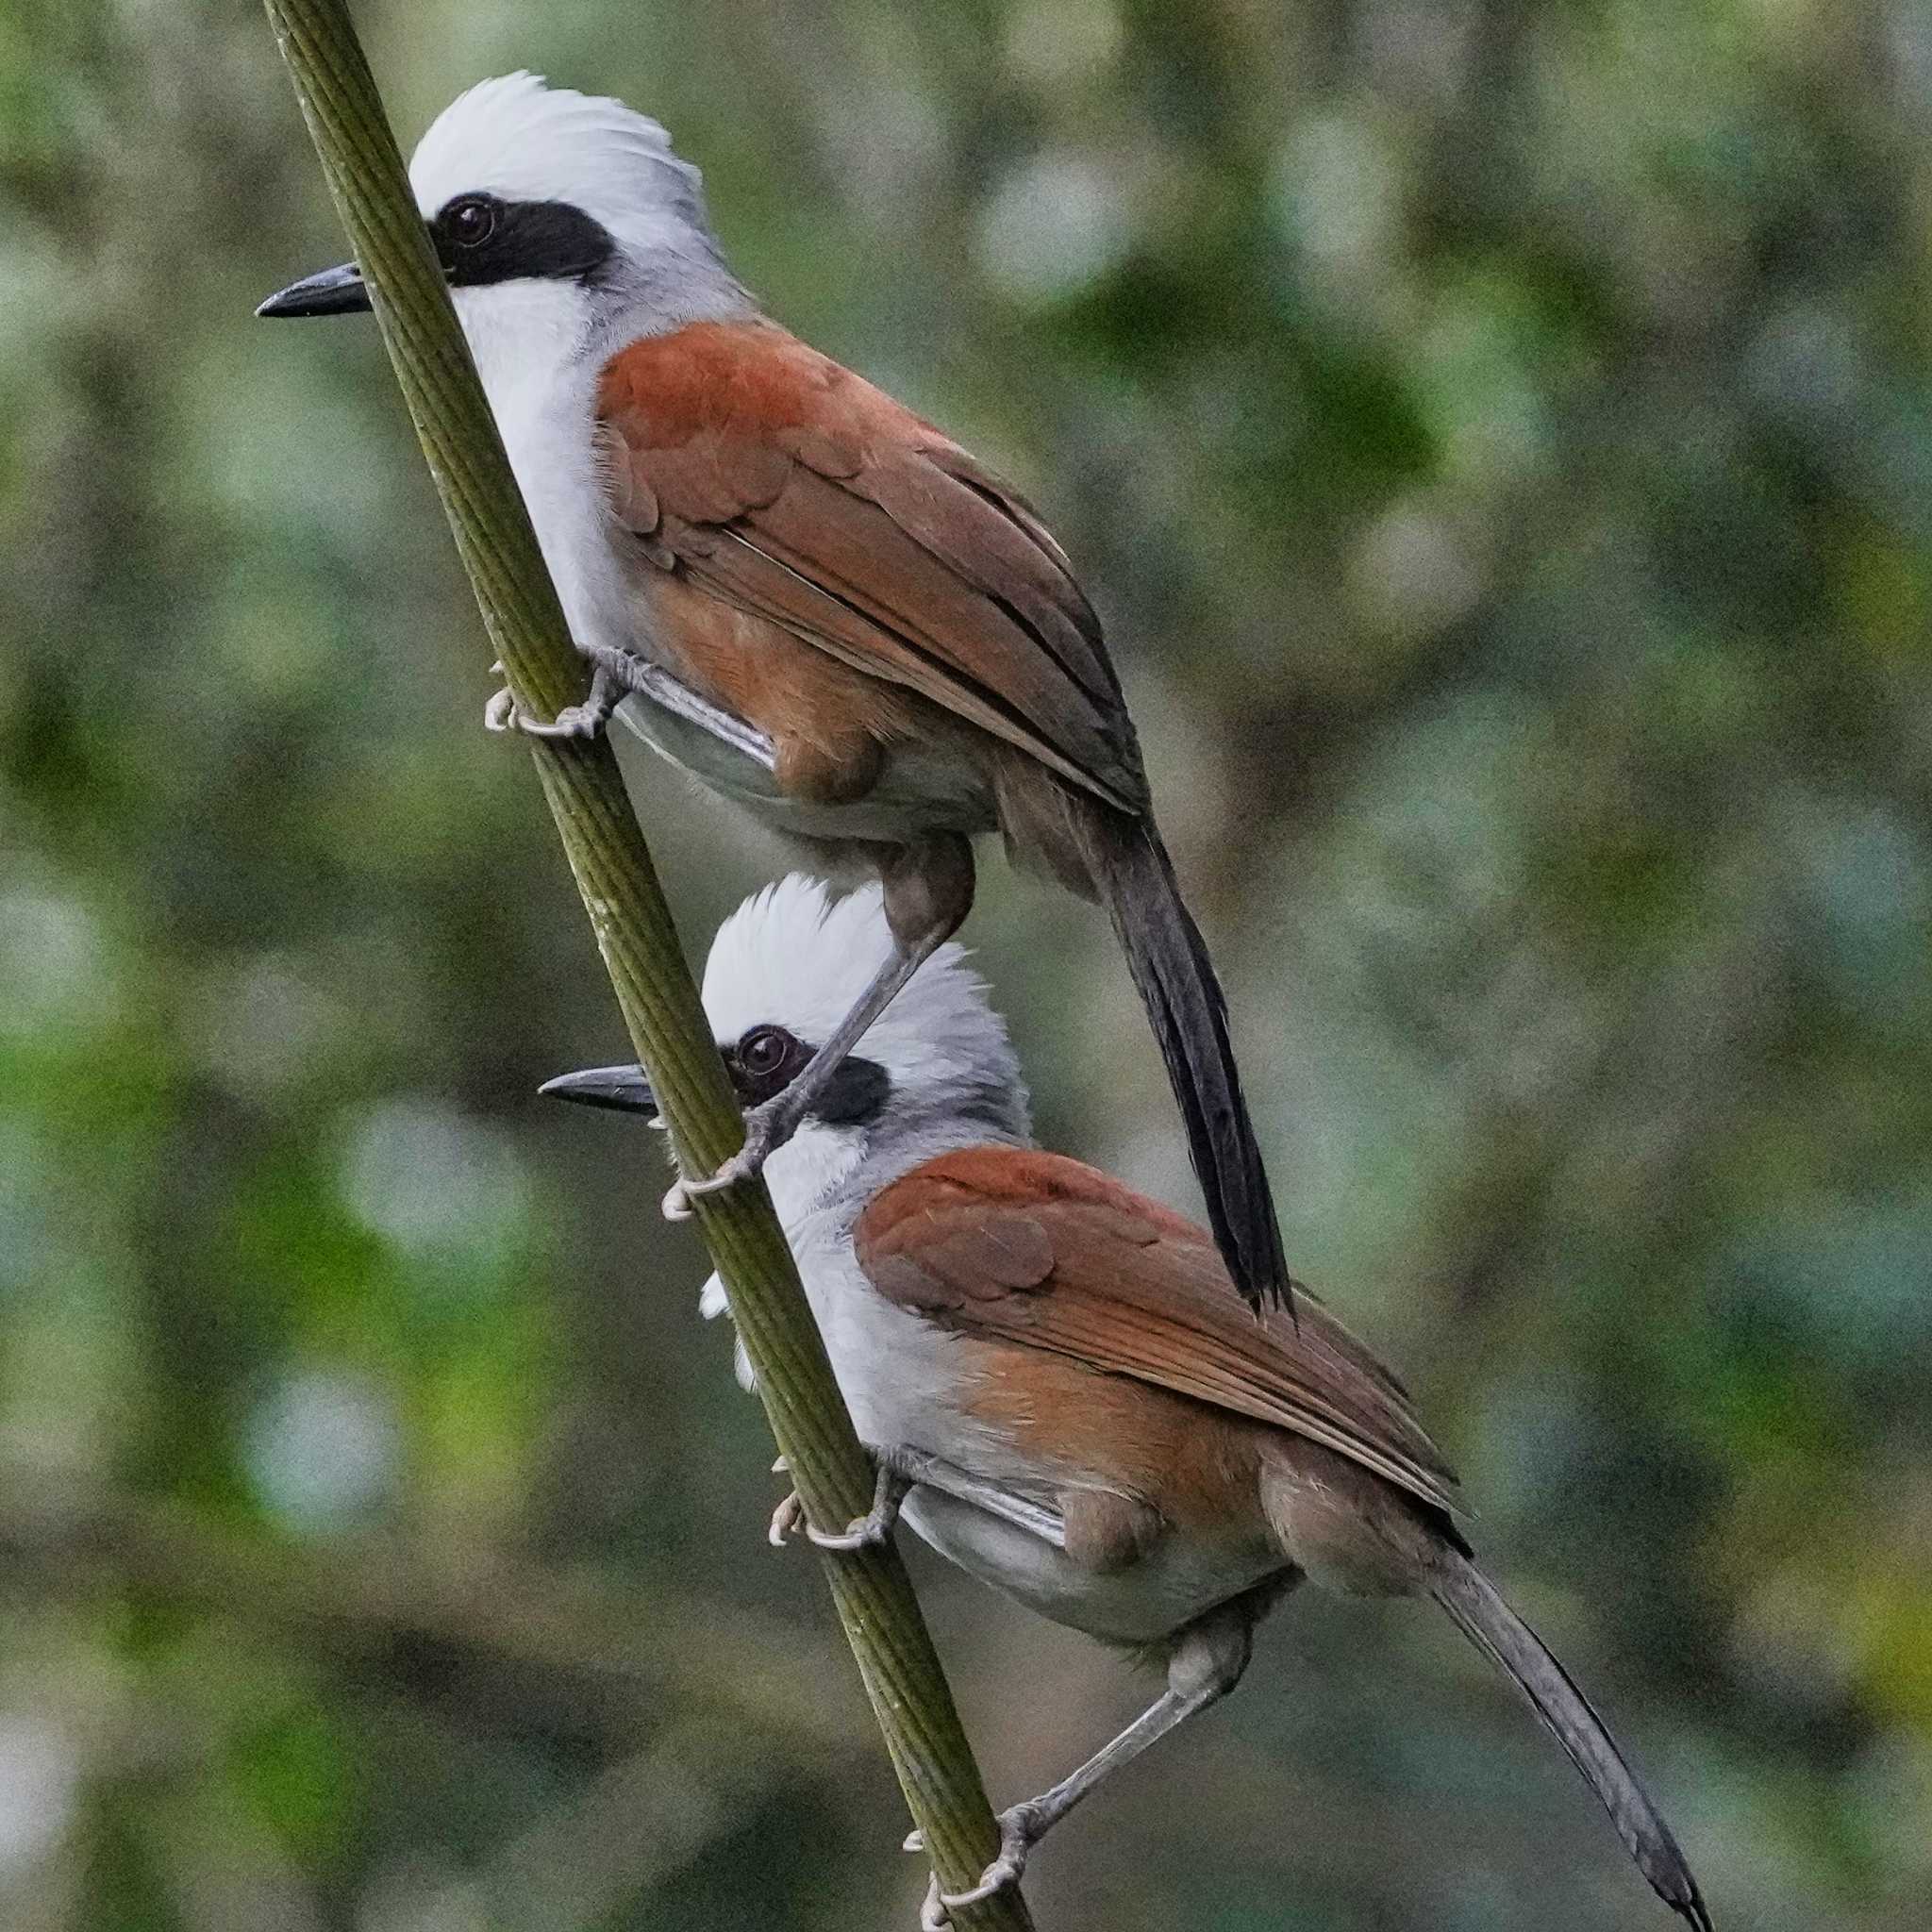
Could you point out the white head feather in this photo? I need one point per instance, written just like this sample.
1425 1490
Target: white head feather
520 139
794 955
540 340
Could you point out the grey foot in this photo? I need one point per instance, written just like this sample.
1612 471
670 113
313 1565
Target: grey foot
875 1526
1022 1828
767 1128
503 712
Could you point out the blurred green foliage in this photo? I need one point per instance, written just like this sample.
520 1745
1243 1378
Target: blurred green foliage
1500 439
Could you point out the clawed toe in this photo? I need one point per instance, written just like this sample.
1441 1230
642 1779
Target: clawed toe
1021 1829
503 713
572 722
933 1916
584 720
785 1519
743 1166
875 1526
762 1139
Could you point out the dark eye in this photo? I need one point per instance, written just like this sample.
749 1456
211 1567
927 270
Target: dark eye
472 221
765 1052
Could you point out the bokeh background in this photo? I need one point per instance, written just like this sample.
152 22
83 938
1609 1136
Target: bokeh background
1500 439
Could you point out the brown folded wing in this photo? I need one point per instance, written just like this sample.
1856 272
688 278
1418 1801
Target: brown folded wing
1038 1249
786 486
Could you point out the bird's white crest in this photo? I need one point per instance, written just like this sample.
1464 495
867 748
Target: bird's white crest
518 138
540 341
795 954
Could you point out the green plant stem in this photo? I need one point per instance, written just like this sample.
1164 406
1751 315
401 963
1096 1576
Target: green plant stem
634 931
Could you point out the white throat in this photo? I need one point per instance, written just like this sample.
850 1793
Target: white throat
807 1176
524 336
540 338
533 344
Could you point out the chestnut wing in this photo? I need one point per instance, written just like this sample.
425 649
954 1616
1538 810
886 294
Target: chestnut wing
1036 1249
785 484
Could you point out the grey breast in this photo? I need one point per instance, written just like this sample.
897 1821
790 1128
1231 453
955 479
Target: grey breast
916 793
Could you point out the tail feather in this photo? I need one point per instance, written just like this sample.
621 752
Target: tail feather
1489 1623
1168 961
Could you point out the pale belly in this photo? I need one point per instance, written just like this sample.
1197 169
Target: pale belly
901 1378
917 793
1168 1587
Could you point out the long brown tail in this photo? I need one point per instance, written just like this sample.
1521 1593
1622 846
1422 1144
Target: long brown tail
1502 1636
1135 880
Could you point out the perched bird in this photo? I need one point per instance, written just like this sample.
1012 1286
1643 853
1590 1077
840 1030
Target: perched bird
794 587
1086 1418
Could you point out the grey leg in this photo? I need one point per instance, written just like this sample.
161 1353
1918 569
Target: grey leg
1206 1663
903 1470
932 883
768 1127
614 675
1024 1513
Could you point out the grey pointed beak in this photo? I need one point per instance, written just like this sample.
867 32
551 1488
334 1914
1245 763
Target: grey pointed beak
624 1090
334 292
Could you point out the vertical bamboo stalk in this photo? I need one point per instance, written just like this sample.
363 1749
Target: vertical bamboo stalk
634 932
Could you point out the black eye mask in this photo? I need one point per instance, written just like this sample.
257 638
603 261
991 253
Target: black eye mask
481 239
855 1097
